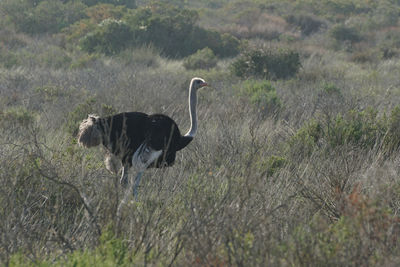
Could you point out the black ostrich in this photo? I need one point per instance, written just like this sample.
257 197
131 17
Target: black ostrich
138 140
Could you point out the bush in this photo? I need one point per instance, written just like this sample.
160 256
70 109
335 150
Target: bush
223 45
271 165
308 24
48 16
268 64
164 27
173 31
127 3
78 114
363 56
392 138
16 116
389 43
101 12
230 46
261 94
306 140
361 237
54 57
111 37
362 129
202 59
141 56
169 33
343 33
8 59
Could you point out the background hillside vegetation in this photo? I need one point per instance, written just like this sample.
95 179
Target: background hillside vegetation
297 157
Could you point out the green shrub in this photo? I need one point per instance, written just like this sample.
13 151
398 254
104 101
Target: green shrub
101 12
54 57
261 94
386 14
48 16
361 237
392 137
83 61
111 251
145 56
223 45
171 30
388 52
331 88
8 59
111 37
17 116
79 113
358 128
11 39
341 32
362 129
271 165
230 46
202 59
308 24
306 139
169 33
389 46
268 64
127 3
50 92
364 56
18 13
341 7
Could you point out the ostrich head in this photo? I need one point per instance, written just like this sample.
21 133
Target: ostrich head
89 134
197 83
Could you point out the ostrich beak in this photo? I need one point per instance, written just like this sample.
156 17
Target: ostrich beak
203 84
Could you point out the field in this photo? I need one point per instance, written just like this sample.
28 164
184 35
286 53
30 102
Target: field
297 157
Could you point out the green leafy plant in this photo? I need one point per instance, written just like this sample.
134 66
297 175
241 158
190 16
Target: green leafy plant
174 31
268 64
362 129
202 59
47 16
79 113
308 24
171 30
17 116
341 32
127 3
271 165
261 94
111 37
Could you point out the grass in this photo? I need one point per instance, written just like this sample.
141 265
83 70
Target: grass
313 184
236 195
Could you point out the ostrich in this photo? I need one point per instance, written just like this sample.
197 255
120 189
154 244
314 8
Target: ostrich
139 140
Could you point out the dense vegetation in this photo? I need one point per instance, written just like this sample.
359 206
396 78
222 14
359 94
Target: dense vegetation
297 158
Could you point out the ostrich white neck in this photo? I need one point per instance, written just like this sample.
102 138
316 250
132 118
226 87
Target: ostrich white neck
192 110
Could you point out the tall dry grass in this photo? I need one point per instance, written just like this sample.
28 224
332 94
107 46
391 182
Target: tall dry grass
241 194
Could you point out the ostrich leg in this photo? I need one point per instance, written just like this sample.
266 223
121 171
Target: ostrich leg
143 157
124 176
136 185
